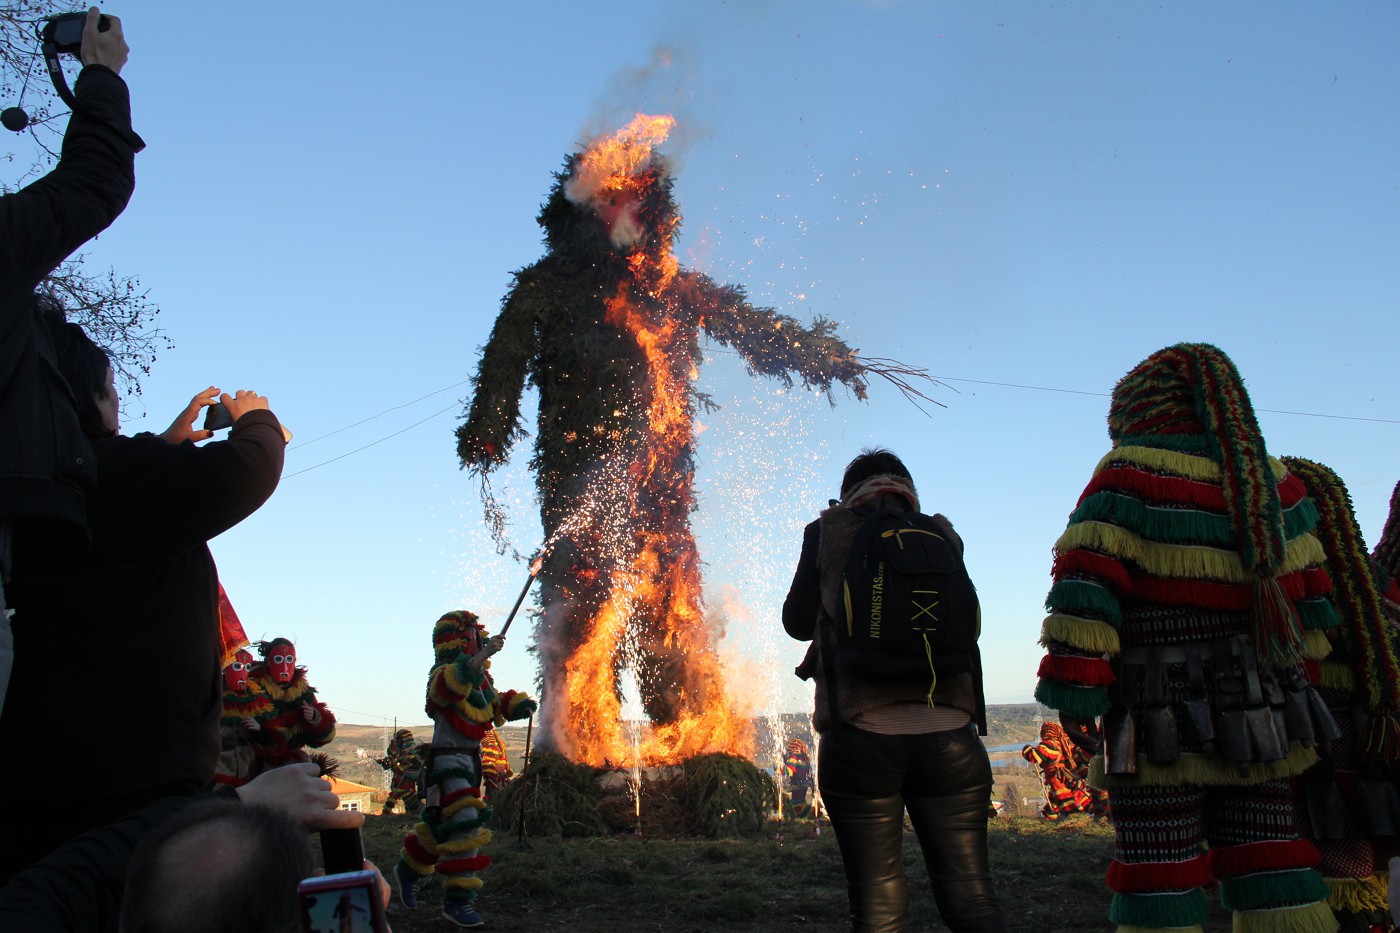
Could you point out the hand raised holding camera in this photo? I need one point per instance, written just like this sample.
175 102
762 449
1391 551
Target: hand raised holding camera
241 402
182 428
103 46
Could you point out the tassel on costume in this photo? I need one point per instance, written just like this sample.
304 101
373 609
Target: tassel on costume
1381 739
1359 895
1274 625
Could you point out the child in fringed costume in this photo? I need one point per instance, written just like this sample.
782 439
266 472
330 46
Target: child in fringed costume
465 707
1352 795
297 720
797 775
240 730
495 766
1087 739
1056 760
1188 590
402 761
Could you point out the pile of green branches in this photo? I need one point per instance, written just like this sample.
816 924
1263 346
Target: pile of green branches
560 799
728 796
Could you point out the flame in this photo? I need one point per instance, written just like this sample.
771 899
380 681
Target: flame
653 600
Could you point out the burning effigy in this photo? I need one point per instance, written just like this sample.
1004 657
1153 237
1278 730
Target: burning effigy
606 327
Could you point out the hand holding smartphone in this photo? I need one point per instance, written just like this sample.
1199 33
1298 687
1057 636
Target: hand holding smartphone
348 902
348 896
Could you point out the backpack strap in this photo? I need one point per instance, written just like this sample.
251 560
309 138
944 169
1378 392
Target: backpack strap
826 643
826 636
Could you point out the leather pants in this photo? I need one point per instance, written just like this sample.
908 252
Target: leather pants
944 780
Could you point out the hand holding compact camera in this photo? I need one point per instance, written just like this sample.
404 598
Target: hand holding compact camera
93 36
229 408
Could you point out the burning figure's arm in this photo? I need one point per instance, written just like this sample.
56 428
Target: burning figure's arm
493 423
780 346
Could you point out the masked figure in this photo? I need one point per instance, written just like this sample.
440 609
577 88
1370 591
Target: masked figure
403 763
797 778
240 729
1188 596
465 707
297 720
1056 761
495 766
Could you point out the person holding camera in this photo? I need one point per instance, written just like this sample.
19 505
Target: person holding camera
138 607
229 860
46 463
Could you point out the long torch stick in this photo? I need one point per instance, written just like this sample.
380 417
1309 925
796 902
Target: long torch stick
525 775
535 566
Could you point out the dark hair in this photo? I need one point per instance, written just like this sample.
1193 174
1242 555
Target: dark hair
82 363
219 866
872 462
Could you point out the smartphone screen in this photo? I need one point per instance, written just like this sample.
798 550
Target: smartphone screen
350 902
342 851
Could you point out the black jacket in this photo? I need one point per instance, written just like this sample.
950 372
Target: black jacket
117 647
46 463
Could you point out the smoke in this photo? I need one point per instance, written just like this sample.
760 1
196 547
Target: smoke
665 83
552 648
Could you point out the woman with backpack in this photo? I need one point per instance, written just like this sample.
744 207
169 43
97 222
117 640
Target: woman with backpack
882 594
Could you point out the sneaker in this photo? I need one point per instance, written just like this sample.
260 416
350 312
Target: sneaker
462 914
408 885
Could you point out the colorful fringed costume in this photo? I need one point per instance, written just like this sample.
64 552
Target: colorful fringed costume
465 707
402 760
1187 591
1353 794
1386 555
797 778
1057 761
246 704
297 720
495 765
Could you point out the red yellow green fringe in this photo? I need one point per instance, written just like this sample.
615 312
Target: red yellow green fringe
1359 895
1305 918
1270 889
1188 908
1364 629
1204 770
1139 877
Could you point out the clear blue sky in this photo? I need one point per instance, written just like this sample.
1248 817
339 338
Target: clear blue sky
334 197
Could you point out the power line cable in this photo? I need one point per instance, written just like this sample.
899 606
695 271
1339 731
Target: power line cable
360 712
1272 411
381 414
374 443
985 382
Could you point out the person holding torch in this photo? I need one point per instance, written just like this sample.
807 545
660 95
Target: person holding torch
464 705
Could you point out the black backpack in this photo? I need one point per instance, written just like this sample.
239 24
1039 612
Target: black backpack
909 610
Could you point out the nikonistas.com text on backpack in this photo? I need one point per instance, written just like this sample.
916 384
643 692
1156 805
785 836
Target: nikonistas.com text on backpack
909 610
